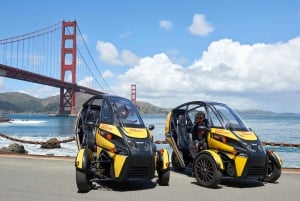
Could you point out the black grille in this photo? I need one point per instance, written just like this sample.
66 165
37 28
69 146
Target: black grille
138 172
256 171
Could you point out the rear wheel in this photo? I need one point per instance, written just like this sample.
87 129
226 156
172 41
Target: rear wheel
175 163
206 171
273 173
163 173
163 177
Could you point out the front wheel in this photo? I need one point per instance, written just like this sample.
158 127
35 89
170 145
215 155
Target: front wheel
273 173
83 171
82 181
206 171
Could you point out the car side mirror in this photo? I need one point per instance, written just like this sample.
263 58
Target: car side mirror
151 127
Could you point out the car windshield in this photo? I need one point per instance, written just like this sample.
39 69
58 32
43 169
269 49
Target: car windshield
226 117
126 113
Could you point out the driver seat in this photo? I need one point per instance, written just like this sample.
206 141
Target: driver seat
182 140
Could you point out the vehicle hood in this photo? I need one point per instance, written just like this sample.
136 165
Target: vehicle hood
246 135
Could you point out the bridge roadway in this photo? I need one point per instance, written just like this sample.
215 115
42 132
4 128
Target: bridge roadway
53 178
15 73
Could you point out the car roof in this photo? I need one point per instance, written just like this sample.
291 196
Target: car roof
199 103
101 96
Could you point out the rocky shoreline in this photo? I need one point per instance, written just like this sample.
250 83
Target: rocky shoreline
4 119
52 143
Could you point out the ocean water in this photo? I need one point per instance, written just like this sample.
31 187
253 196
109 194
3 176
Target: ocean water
284 128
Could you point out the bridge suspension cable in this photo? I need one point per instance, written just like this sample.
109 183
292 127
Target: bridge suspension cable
96 67
30 35
39 52
34 52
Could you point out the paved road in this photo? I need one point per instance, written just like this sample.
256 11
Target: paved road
52 179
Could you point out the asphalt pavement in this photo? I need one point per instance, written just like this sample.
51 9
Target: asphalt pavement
53 178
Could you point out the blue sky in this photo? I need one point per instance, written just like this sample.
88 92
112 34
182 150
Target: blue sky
243 53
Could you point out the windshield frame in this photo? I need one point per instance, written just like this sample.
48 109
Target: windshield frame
133 120
228 118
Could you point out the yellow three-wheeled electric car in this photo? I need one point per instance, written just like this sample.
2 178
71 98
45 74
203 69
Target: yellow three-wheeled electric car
114 144
229 148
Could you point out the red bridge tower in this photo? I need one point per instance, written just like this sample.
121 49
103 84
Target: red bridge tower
68 63
133 93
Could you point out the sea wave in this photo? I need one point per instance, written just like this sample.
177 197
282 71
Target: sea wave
22 122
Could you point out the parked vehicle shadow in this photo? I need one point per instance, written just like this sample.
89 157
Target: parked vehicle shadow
235 183
124 186
229 182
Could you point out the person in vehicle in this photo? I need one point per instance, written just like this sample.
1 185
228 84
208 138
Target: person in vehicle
123 112
198 134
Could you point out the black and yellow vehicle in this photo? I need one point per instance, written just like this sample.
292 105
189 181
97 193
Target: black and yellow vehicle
232 149
114 144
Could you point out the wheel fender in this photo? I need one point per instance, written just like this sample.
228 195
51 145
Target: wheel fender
274 158
82 159
163 162
216 158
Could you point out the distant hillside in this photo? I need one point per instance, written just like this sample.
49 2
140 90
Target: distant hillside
148 108
18 102
15 102
254 112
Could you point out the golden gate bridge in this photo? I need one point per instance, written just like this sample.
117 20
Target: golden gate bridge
53 56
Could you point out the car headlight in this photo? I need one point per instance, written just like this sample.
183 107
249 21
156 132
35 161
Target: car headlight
261 148
132 145
142 146
146 146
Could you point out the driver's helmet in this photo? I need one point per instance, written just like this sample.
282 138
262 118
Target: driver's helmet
123 112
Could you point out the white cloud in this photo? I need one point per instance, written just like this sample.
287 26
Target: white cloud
200 26
129 58
107 74
244 76
257 67
109 54
166 25
86 82
175 57
125 34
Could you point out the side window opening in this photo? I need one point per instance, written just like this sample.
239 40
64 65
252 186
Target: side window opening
215 122
106 114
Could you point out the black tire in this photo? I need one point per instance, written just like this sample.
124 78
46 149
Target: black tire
273 173
163 174
83 182
84 175
163 177
175 163
206 171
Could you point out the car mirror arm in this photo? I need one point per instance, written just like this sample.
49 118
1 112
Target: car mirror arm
204 128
